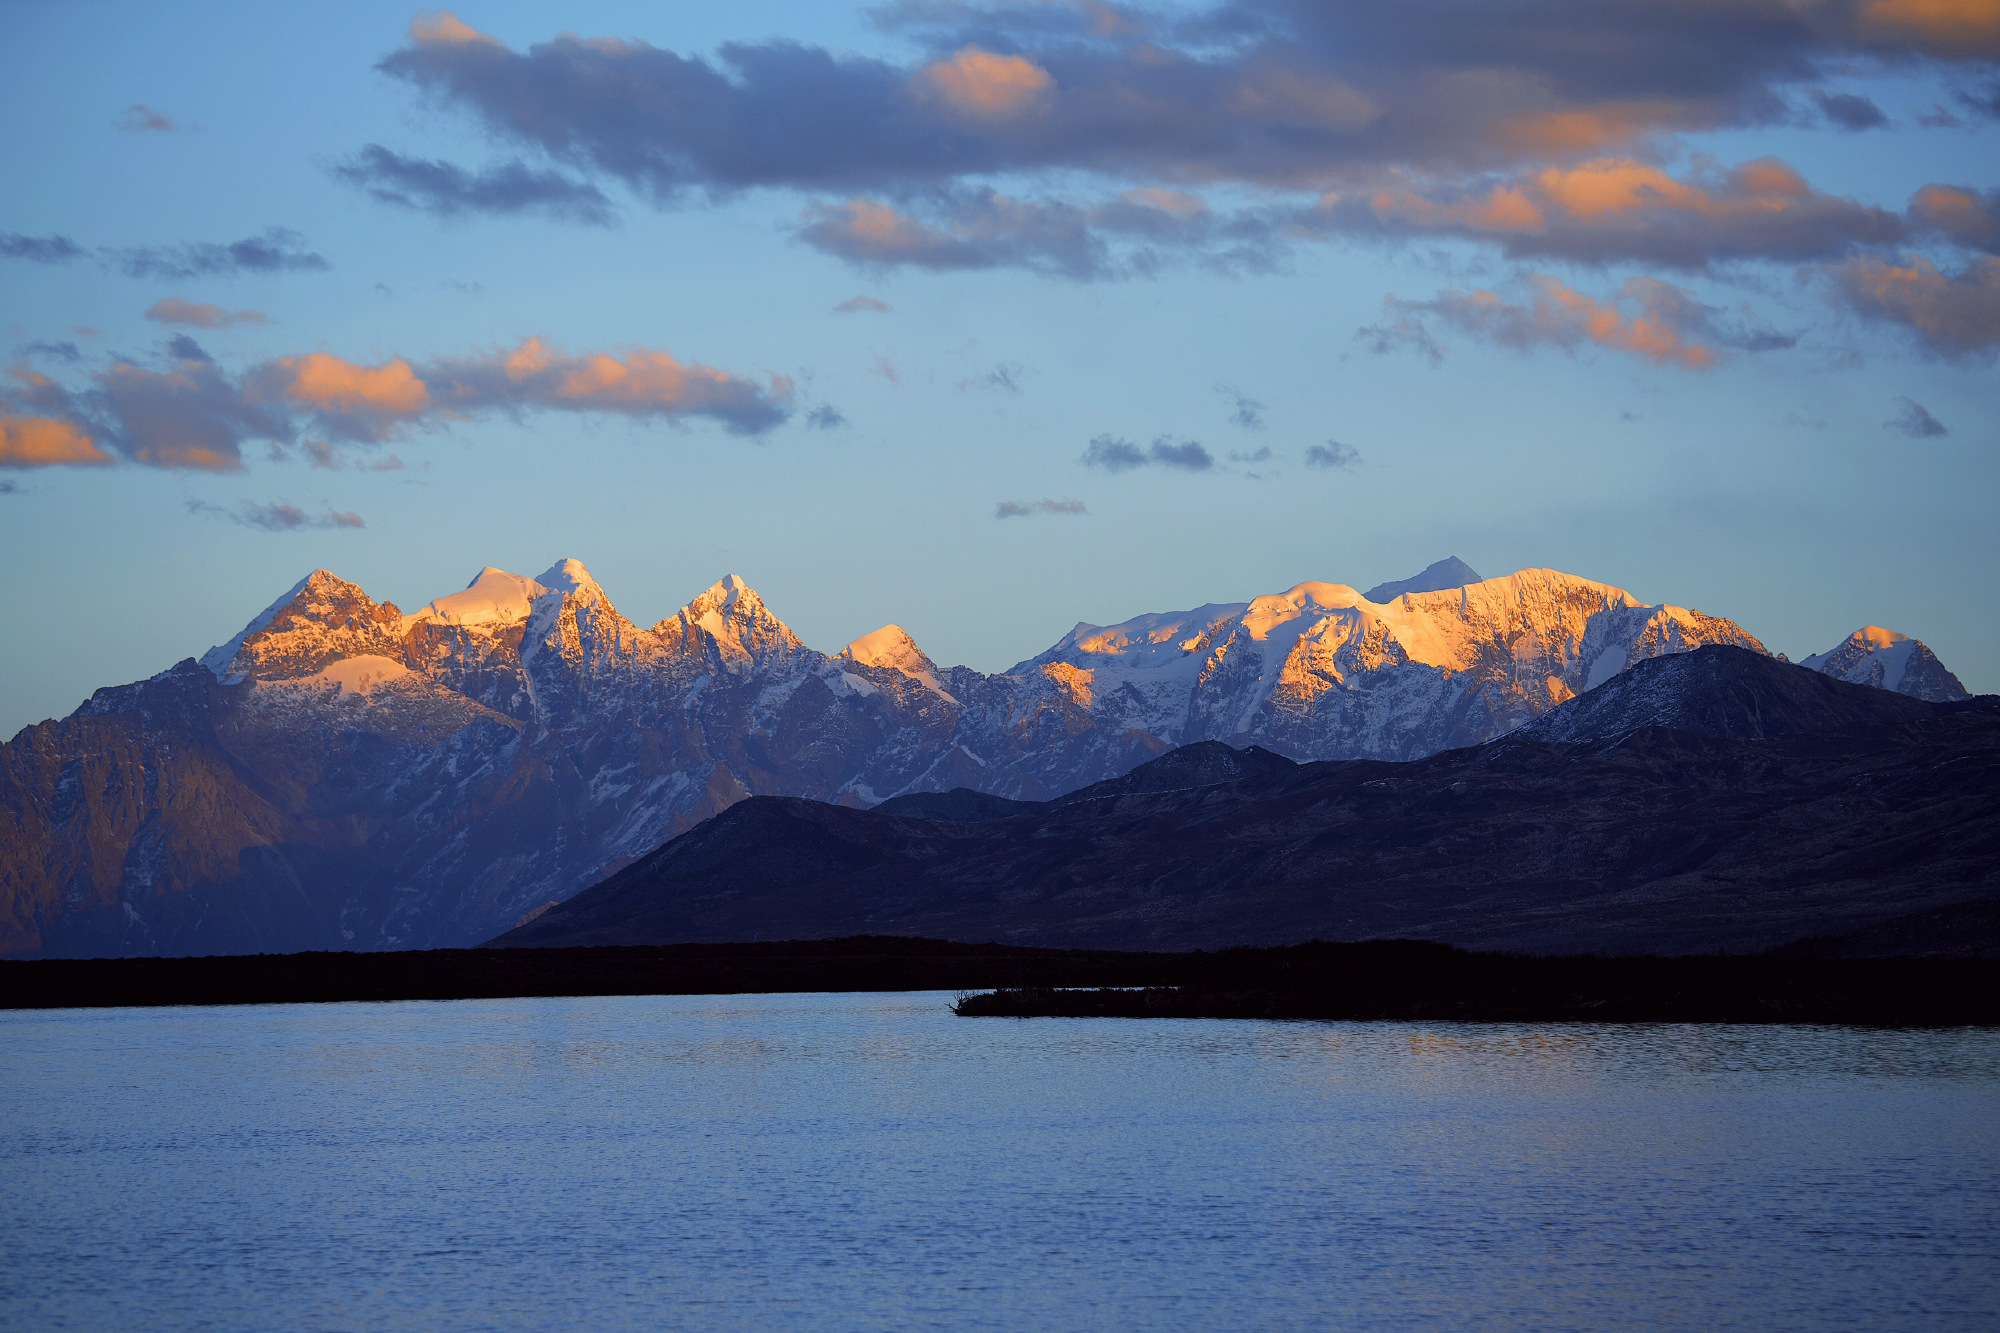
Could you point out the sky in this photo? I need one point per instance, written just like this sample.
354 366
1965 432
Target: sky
990 319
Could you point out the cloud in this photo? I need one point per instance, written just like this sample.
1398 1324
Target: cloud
445 190
1650 319
1915 421
1613 209
1334 455
1137 233
27 442
854 305
359 402
321 454
199 315
825 417
192 414
1006 377
277 516
10 487
275 251
986 86
1849 111
1968 28
1958 214
1118 455
1600 211
1985 104
40 249
1286 93
60 351
1951 315
140 118
1029 508
1248 413
979 230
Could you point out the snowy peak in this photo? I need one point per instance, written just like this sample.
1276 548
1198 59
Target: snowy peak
732 612
571 577
1159 639
494 597
725 596
1270 614
892 648
1448 573
1889 661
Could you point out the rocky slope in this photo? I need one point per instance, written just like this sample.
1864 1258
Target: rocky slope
345 775
1796 807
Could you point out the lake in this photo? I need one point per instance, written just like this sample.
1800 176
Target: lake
871 1162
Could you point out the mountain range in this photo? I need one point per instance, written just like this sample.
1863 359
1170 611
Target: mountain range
1703 801
342 774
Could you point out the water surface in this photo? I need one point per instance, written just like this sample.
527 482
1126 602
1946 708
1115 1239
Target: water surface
869 1161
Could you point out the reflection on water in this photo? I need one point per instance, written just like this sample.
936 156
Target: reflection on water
832 1162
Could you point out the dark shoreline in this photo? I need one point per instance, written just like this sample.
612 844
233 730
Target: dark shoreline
1380 980
857 963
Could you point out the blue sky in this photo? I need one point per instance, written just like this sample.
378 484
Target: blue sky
1687 324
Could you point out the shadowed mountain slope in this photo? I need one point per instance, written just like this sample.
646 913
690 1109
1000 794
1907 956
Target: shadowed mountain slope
1797 806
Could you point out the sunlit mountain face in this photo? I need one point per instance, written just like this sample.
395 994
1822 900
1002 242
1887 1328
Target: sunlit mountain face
343 774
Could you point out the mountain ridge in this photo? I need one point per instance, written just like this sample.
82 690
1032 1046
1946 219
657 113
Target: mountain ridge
507 745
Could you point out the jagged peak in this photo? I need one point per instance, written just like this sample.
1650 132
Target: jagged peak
219 658
725 596
733 613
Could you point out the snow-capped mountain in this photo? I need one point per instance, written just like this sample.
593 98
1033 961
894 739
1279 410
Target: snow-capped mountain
345 775
1889 661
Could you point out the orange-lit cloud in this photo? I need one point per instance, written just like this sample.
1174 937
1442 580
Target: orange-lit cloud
1951 315
194 415
1619 208
443 28
1961 27
41 442
1962 215
327 382
1594 129
1653 320
980 83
